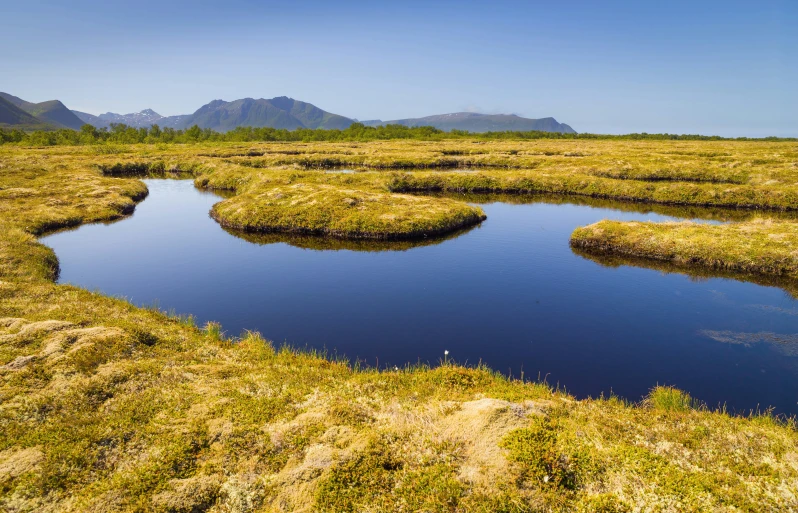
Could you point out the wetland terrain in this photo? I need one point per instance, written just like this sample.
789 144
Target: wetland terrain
509 293
464 325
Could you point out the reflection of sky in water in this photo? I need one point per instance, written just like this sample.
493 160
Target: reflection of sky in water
785 344
510 293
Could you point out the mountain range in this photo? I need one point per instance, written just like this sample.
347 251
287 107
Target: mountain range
474 122
222 116
143 119
280 112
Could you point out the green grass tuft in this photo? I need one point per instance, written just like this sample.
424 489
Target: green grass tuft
214 331
671 399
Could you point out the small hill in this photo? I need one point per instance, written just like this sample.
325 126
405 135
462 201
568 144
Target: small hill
52 112
280 112
11 116
475 122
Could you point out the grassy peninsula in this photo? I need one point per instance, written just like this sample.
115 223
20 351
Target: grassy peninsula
105 406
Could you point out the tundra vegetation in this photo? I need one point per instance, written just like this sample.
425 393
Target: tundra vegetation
106 406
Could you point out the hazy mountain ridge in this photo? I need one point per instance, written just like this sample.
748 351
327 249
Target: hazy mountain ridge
475 122
176 122
51 112
12 116
143 119
222 116
91 119
279 112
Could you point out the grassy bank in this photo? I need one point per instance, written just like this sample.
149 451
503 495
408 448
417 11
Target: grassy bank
105 406
762 246
111 407
666 192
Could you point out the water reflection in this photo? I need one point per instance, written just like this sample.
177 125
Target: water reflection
695 273
320 243
784 344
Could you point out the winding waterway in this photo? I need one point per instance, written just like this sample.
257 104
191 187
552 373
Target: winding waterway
510 293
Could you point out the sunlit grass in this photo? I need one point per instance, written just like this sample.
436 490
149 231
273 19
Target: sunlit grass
671 399
762 246
105 406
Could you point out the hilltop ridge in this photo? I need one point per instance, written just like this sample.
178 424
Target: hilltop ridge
51 112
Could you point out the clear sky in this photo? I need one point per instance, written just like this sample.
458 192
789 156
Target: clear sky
712 67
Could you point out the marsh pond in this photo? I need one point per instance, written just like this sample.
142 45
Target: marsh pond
510 293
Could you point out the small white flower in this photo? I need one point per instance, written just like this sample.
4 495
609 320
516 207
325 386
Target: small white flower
446 352
546 479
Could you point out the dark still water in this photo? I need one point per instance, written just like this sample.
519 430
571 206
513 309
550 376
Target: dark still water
511 293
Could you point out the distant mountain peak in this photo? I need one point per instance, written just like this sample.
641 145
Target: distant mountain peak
142 119
282 102
277 112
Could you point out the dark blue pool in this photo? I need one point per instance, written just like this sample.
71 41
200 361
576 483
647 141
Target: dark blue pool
510 293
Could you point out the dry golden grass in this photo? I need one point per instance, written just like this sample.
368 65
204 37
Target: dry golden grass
760 246
105 406
321 209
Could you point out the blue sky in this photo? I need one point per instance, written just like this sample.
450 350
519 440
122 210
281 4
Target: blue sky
728 68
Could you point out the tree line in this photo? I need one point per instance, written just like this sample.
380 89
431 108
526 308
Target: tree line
123 134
